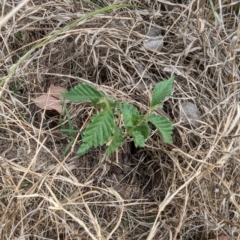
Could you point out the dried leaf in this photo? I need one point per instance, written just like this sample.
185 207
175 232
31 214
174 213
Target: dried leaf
48 102
56 91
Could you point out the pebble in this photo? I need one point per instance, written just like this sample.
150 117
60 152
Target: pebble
189 113
154 41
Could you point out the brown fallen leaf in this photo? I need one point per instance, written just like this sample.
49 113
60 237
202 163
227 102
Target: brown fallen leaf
48 102
56 91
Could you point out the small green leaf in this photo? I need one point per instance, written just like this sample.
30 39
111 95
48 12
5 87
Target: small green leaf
97 131
115 141
161 91
139 140
163 125
130 114
140 134
83 92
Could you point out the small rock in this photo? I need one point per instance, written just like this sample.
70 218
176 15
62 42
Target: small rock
154 32
189 113
154 40
142 71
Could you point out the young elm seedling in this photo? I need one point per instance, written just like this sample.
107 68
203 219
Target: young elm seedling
103 127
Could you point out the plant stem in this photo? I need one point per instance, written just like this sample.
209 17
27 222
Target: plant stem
142 119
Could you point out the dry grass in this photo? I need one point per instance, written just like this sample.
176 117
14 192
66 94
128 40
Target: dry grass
187 190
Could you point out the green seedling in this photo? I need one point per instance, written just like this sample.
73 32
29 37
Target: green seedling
104 127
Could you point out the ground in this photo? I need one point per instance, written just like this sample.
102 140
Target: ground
185 190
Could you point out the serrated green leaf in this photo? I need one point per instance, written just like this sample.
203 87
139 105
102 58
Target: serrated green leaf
144 129
140 134
97 131
163 125
130 115
161 91
139 140
83 92
115 141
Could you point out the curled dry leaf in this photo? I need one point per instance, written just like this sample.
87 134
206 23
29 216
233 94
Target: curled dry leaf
56 91
48 102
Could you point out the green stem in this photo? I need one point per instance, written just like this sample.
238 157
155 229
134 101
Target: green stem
108 106
143 119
